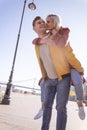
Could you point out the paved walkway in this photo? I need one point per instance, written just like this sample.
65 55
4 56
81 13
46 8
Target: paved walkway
19 114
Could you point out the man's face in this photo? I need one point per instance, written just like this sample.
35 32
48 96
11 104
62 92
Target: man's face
40 26
50 23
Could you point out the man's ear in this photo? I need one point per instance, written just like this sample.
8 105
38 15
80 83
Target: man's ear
34 28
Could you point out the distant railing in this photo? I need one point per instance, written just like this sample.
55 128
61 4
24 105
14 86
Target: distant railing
19 88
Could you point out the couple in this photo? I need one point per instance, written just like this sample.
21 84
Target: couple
59 67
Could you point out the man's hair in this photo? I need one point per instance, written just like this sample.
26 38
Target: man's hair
35 19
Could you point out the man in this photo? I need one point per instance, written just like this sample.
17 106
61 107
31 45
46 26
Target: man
56 73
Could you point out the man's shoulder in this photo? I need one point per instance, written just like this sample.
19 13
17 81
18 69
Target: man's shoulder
35 40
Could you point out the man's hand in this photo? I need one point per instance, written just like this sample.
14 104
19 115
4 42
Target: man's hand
40 81
83 79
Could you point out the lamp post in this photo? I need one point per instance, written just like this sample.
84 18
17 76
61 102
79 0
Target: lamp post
6 98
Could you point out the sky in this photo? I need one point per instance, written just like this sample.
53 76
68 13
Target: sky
26 69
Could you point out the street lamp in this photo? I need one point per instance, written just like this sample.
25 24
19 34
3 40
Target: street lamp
32 6
6 98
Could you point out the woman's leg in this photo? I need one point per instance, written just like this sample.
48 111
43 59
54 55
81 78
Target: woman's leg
77 81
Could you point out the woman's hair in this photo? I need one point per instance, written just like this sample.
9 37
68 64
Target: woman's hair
57 20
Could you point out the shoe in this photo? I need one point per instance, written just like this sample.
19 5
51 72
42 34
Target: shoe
39 114
81 113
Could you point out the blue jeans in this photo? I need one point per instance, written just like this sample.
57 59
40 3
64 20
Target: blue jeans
61 90
77 81
43 91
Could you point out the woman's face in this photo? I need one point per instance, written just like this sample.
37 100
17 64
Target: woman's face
50 23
